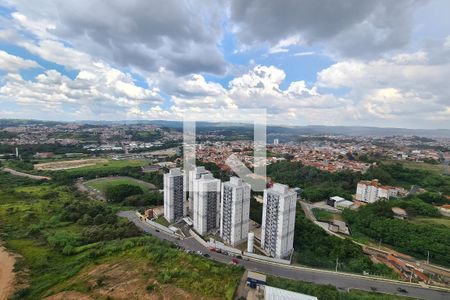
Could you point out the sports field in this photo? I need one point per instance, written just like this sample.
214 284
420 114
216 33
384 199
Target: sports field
102 184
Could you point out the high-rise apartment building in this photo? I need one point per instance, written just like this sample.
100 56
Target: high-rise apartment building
174 196
194 175
278 221
234 211
206 204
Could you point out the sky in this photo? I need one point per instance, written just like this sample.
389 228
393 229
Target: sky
305 62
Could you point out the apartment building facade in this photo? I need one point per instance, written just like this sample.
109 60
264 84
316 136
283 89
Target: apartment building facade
174 196
194 175
206 204
278 220
234 211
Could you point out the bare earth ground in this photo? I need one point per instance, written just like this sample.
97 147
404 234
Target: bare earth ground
69 164
125 279
7 276
17 173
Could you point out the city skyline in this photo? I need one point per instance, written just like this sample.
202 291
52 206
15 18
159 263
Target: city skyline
379 63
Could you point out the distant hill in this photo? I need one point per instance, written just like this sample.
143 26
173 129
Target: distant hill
272 130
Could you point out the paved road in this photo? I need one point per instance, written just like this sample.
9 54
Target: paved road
340 280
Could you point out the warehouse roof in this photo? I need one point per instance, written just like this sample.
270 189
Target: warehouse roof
272 293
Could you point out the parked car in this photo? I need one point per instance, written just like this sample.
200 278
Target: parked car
402 290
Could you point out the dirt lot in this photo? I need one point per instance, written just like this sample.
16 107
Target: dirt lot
7 276
120 280
69 164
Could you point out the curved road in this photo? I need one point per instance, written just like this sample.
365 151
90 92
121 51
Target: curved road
340 280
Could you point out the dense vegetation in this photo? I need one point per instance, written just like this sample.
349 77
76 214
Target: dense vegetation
118 193
315 248
319 185
326 292
59 233
129 168
377 222
132 195
28 151
67 177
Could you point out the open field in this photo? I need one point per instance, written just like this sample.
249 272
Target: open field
69 164
112 165
420 166
325 216
432 221
102 184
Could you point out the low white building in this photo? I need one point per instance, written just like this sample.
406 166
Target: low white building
372 191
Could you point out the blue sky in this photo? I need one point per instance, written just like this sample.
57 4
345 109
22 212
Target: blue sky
370 63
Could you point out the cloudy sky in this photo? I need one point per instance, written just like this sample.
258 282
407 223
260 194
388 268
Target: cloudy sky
354 62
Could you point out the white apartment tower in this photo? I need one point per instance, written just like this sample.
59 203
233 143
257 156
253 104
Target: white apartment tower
206 208
174 196
278 221
234 211
194 175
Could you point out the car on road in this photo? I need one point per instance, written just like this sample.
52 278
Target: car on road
206 255
234 261
402 290
157 230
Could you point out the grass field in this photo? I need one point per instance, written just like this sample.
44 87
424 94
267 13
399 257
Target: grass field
417 165
114 164
161 220
325 216
433 221
103 184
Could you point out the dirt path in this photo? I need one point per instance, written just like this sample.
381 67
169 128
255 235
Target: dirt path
17 173
7 275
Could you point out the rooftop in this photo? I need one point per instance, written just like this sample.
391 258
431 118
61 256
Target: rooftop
272 293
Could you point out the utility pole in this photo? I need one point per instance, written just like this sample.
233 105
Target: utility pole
337 263
428 258
379 244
